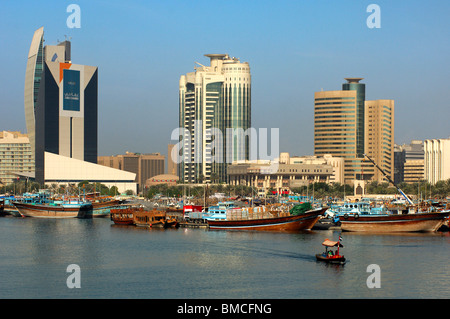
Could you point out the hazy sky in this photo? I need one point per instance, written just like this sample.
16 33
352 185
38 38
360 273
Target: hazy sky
294 49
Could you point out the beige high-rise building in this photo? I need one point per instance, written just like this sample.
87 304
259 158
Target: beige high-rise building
347 126
379 136
15 156
171 164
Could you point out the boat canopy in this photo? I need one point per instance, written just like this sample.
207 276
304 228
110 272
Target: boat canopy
330 243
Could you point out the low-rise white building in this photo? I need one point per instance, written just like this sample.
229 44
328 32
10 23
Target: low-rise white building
62 170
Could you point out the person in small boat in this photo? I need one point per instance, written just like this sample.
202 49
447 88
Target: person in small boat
330 253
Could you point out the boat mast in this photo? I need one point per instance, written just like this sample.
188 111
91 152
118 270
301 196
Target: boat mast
390 180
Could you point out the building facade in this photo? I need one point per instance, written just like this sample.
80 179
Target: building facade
15 156
409 162
61 112
171 164
60 104
379 137
348 126
289 172
286 177
213 99
437 160
144 166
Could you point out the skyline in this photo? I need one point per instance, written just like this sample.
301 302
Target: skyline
294 49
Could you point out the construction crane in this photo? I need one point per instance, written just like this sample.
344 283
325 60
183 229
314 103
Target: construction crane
390 180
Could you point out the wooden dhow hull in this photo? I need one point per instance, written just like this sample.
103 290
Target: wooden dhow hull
50 211
420 222
103 209
286 223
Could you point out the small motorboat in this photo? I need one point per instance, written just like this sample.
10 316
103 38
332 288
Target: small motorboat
329 256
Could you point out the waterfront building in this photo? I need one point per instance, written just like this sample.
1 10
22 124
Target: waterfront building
287 173
346 125
214 97
414 171
169 179
15 156
437 160
61 111
337 163
144 166
409 162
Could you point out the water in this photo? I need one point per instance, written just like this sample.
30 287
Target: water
129 262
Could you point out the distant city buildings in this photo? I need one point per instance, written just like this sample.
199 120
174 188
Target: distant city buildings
291 172
171 164
346 125
144 166
437 160
61 112
217 97
15 157
409 162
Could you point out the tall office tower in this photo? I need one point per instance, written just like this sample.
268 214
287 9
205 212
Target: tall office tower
344 126
379 136
32 81
60 104
437 160
217 98
360 89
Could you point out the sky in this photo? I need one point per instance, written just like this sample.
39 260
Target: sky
294 49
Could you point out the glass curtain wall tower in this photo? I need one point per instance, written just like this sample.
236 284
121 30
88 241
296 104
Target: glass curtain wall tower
347 126
33 76
61 104
213 99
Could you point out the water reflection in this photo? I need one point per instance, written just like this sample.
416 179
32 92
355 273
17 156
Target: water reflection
133 262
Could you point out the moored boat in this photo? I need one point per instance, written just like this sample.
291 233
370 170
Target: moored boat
123 216
66 209
102 208
418 222
2 207
154 219
286 222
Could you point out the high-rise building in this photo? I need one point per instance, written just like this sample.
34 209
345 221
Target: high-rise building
171 165
15 156
61 111
214 98
348 126
379 136
437 160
